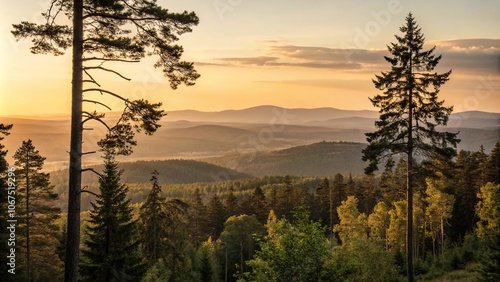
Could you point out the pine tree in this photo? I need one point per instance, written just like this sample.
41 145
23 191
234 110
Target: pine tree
153 225
112 249
4 186
493 165
322 200
409 112
103 32
231 204
197 219
215 217
258 205
39 214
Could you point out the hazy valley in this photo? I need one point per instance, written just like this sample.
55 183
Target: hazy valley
244 140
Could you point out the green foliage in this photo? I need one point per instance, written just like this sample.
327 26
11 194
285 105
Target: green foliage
353 224
238 243
492 165
467 183
491 262
362 260
206 262
488 210
112 248
157 272
438 211
379 222
291 252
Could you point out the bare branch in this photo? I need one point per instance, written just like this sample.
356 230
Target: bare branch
87 191
92 170
107 92
92 79
94 117
110 60
88 153
108 70
96 102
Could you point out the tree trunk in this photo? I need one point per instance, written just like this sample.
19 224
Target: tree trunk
75 161
28 264
442 235
409 182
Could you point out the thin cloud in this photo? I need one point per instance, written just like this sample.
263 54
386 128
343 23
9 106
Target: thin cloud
463 55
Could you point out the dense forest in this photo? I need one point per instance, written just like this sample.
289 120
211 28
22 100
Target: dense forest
337 227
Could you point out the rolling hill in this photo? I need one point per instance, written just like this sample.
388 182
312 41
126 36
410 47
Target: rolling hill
318 159
198 135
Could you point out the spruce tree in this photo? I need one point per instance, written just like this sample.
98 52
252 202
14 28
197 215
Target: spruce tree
39 215
152 215
4 236
410 112
111 251
493 165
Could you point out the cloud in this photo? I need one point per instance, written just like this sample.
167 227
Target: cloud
464 55
249 61
478 56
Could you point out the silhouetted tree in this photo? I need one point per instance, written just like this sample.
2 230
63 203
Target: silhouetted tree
153 223
493 165
39 214
4 186
215 217
102 32
409 112
112 249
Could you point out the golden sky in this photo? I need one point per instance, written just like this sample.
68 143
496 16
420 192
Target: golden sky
289 53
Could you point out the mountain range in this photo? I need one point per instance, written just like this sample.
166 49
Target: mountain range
200 135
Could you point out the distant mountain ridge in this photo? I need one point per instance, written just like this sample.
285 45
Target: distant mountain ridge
191 134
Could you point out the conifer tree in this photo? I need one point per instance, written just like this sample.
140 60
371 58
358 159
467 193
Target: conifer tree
112 249
493 165
323 200
4 236
197 219
231 204
39 215
215 217
108 32
410 112
153 225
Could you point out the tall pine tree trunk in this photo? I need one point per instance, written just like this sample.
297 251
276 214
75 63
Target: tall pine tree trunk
75 162
28 265
409 182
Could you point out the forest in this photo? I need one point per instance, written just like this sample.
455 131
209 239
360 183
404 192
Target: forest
431 213
273 228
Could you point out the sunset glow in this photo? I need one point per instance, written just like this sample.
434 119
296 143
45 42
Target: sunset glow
292 54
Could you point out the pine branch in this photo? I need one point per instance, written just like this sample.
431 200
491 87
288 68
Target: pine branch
108 70
96 102
107 92
110 60
92 170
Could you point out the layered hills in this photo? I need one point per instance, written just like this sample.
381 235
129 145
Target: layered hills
227 136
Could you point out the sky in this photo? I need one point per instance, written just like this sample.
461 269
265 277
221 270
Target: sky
288 53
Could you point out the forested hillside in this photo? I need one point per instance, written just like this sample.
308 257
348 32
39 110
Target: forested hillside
318 159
